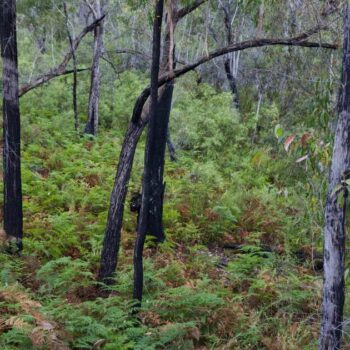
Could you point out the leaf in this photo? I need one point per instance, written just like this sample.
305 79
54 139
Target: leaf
288 142
301 159
336 189
304 139
278 131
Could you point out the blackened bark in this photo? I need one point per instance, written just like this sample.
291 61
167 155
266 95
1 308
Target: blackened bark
75 72
335 213
149 151
157 187
111 242
13 213
157 157
232 82
93 111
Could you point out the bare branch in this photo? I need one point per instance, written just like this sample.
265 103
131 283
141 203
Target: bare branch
186 10
299 40
61 68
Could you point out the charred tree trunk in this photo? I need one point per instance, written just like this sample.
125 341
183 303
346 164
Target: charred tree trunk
228 61
111 241
13 214
157 187
157 158
93 111
335 213
150 152
232 82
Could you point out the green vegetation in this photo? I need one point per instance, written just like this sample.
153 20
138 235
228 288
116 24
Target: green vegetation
197 295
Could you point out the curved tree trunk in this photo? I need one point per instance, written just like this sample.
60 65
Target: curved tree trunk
13 213
335 213
93 112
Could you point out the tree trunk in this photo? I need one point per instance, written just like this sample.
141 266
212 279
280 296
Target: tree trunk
335 213
111 242
232 82
150 151
157 187
157 158
93 112
13 214
75 73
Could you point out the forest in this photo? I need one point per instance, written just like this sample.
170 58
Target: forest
175 174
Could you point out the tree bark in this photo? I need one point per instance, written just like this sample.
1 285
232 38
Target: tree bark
232 82
150 151
93 112
335 213
13 213
157 158
75 73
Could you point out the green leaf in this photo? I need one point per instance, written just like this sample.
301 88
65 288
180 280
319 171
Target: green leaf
278 131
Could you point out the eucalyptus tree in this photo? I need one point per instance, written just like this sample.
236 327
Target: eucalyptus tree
335 212
94 95
13 212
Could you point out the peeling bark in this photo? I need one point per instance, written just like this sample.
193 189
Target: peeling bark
335 213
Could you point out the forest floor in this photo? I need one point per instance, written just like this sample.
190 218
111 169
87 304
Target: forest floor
240 268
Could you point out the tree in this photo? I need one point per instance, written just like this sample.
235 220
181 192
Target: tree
111 241
75 75
150 153
93 112
335 212
13 213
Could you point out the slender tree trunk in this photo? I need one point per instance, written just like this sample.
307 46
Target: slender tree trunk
93 111
13 214
111 242
335 213
75 72
150 151
232 82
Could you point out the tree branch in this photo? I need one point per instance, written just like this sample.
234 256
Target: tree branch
188 9
61 68
298 40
